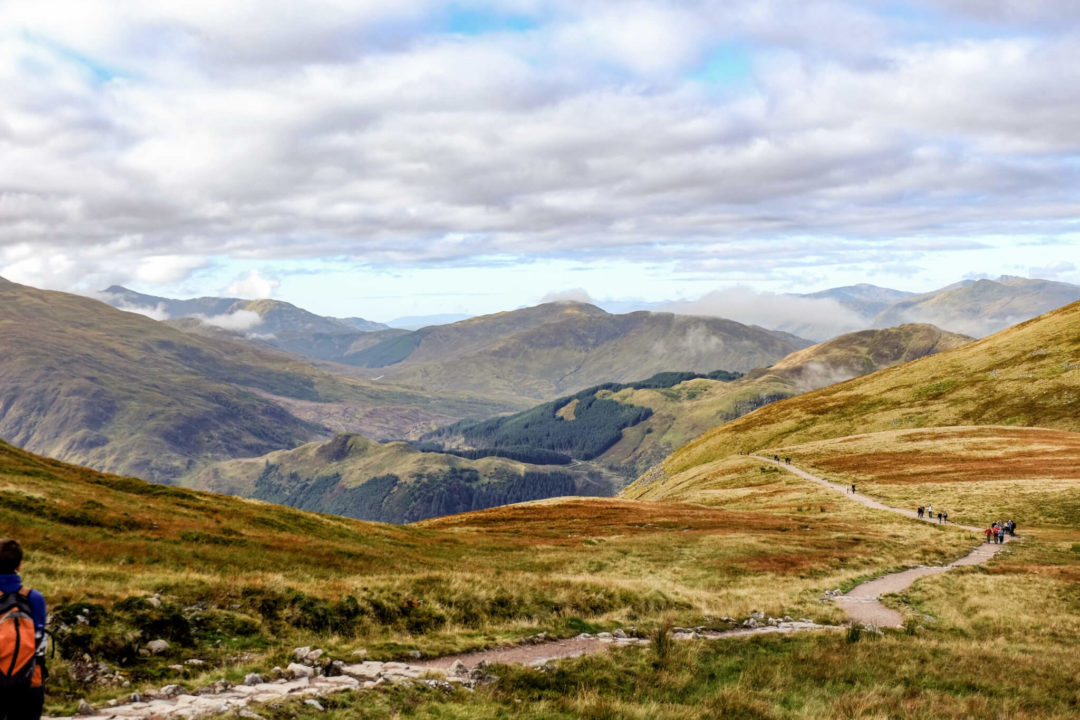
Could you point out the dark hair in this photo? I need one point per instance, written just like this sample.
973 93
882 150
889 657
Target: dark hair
10 556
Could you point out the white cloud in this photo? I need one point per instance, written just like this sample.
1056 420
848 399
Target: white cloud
579 295
139 139
811 318
253 286
237 321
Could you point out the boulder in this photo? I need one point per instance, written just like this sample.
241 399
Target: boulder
458 669
85 708
620 633
156 647
296 670
301 653
310 702
253 679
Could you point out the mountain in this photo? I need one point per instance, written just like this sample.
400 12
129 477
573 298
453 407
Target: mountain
84 382
865 299
552 349
274 322
628 427
1027 375
981 307
395 482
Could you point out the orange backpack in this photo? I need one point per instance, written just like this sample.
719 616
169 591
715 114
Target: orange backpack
18 643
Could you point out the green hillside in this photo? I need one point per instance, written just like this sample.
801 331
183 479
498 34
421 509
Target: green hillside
628 427
394 482
117 391
1028 375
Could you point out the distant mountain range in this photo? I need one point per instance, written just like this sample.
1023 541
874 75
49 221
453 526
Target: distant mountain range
517 357
83 382
971 307
545 351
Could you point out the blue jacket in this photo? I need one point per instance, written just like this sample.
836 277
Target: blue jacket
13 583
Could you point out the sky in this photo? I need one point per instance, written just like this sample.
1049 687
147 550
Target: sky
380 158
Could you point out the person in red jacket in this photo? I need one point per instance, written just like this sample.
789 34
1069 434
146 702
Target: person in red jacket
22 694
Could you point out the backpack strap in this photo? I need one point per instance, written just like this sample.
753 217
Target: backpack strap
25 592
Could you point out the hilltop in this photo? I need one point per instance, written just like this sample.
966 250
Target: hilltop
84 382
272 322
981 307
552 349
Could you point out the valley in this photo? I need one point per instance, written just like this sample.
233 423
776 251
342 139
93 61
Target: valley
707 538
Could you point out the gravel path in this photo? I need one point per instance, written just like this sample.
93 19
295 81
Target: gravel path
863 602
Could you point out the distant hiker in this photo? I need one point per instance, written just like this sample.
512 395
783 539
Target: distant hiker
930 511
989 533
921 511
1012 528
787 461
852 488
22 639
946 518
776 458
940 518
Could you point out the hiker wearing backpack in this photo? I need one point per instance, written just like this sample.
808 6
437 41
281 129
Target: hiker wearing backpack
22 640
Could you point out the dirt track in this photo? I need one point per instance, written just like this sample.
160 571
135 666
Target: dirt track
863 603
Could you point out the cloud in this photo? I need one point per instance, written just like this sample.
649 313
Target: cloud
254 286
1063 270
373 133
810 318
156 312
578 295
237 321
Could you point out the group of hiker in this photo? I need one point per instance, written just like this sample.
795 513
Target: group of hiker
22 640
996 533
928 513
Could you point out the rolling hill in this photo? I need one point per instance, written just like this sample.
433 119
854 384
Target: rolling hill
86 383
627 428
272 322
981 307
395 482
553 349
1027 375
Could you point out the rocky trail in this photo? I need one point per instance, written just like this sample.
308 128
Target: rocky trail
863 603
309 679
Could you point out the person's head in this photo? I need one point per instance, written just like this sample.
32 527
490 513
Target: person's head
10 556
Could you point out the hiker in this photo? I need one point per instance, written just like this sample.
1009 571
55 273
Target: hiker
930 511
946 517
940 517
787 461
1012 528
852 488
776 458
921 511
22 616
989 533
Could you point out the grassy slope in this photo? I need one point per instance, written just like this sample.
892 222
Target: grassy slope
980 641
245 581
689 409
1028 375
87 383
